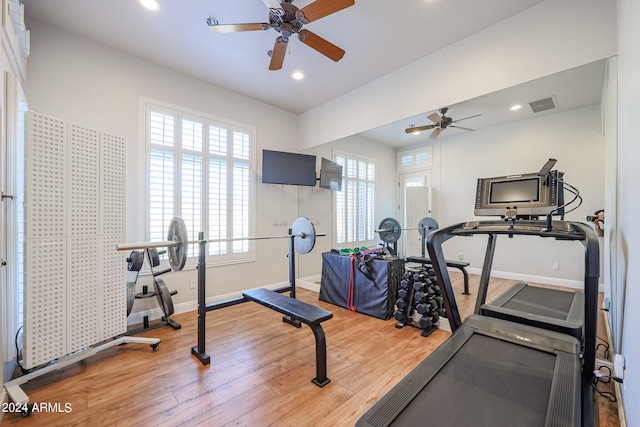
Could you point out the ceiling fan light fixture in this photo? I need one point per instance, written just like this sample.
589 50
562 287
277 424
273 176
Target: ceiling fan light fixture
152 5
297 75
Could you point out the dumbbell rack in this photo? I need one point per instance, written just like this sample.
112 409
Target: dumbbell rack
135 261
419 292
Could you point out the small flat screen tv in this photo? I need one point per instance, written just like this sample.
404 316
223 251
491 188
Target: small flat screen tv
530 195
279 167
330 175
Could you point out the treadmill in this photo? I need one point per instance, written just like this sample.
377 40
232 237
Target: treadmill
554 309
496 372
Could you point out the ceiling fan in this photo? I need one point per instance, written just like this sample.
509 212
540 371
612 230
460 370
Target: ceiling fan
440 123
287 19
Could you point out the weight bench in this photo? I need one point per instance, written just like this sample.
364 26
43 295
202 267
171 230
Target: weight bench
460 265
305 313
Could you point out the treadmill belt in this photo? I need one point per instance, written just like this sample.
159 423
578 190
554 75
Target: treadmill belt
488 382
542 301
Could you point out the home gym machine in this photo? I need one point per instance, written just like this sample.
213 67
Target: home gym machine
302 236
496 371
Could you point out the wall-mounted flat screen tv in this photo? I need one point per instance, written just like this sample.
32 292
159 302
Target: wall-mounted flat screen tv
279 167
330 175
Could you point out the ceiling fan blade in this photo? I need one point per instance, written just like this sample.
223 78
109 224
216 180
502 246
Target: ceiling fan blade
274 7
435 118
232 28
470 117
419 128
459 127
321 8
326 48
279 50
436 133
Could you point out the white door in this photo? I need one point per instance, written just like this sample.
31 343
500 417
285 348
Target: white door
415 204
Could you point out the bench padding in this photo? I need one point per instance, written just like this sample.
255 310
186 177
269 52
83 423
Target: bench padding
306 313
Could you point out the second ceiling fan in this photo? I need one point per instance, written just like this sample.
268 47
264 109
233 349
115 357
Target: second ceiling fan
287 19
440 123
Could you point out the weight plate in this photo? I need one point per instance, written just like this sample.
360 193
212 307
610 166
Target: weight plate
154 256
164 297
177 253
426 226
304 235
131 296
389 230
135 260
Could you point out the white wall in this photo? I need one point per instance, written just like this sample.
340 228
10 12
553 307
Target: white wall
317 203
92 85
572 137
628 202
550 37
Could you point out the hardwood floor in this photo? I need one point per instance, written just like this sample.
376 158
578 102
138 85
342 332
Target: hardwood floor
260 372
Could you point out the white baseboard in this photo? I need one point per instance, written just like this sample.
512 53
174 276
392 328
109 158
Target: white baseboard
530 278
185 307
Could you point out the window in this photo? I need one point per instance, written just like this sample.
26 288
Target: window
355 204
201 169
415 159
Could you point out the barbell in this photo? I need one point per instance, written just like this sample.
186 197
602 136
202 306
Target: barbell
302 231
390 229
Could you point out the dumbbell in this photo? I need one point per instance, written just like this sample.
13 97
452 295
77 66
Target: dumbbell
399 315
422 284
403 293
406 284
401 303
425 322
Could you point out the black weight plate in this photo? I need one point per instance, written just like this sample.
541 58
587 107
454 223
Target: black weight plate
164 297
154 256
390 230
135 260
131 296
177 253
426 226
304 235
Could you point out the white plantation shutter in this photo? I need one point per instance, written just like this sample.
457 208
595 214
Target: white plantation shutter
200 169
355 204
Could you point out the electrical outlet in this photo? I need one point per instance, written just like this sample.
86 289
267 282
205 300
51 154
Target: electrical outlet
192 285
555 266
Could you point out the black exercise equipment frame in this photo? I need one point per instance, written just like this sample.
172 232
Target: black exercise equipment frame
199 350
559 230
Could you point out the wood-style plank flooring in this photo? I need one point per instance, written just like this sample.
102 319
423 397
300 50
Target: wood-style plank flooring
260 372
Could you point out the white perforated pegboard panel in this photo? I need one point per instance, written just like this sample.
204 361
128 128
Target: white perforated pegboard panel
113 277
113 184
45 176
83 309
84 181
113 226
45 301
75 210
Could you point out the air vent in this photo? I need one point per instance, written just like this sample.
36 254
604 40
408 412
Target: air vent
543 105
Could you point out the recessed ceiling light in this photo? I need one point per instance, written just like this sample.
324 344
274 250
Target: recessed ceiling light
298 75
516 107
150 4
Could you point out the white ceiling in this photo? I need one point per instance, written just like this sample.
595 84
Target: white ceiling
379 36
